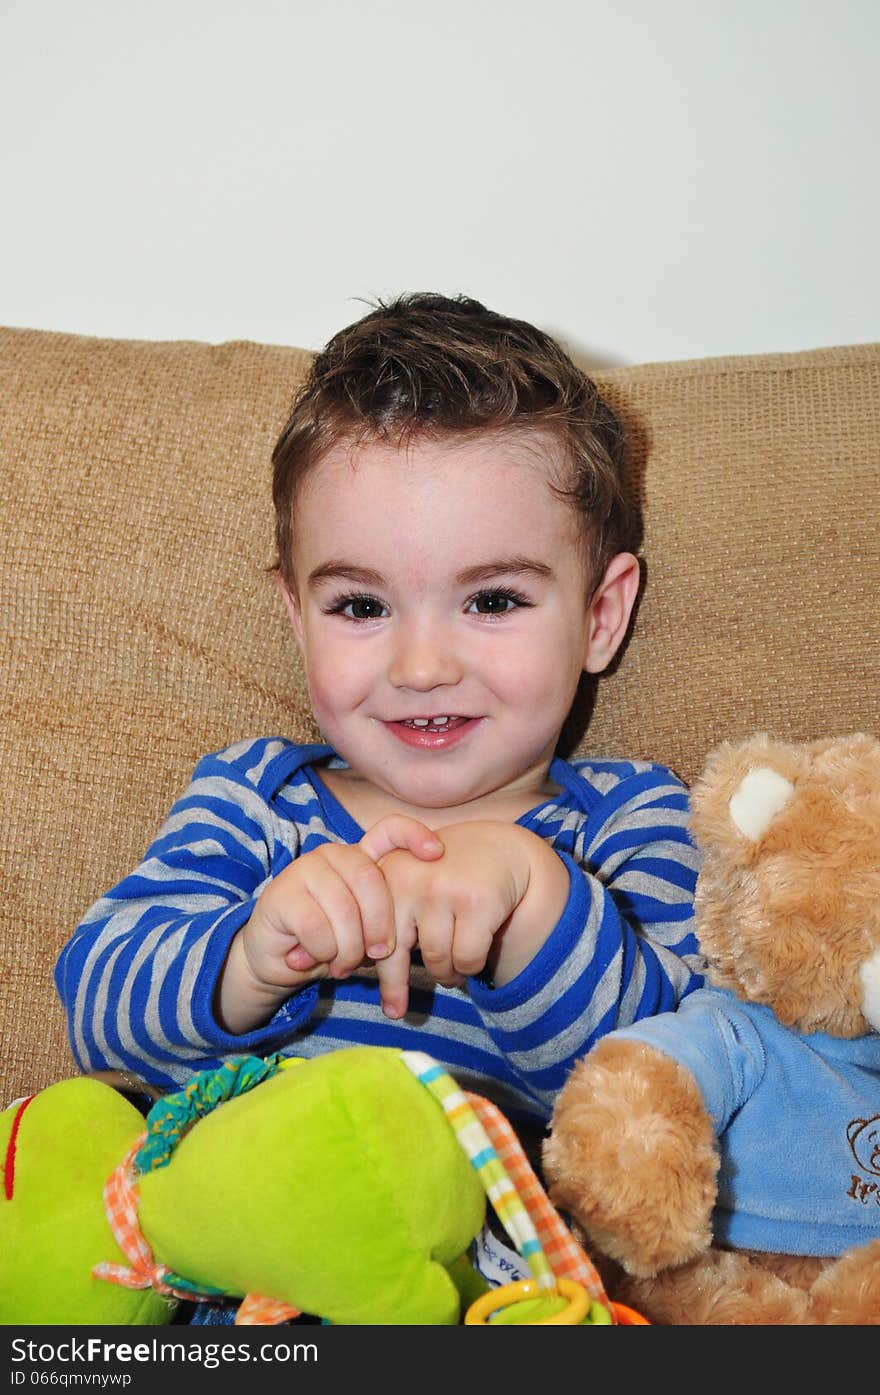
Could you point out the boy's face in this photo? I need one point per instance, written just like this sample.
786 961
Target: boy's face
446 581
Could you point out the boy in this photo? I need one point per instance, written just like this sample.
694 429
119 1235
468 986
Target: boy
454 550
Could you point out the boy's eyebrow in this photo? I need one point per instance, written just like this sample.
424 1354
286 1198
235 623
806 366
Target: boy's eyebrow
505 566
471 576
344 571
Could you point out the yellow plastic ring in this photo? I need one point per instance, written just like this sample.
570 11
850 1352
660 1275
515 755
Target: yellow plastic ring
573 1313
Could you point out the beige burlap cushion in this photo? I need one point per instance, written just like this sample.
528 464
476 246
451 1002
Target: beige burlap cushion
140 628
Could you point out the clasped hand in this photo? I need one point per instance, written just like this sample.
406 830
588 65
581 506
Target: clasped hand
476 894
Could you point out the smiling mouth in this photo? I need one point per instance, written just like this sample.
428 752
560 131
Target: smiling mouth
442 732
432 723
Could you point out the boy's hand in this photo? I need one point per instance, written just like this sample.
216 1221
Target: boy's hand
319 917
491 900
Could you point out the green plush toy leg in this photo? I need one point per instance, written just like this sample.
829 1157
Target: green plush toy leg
426 1294
468 1281
58 1152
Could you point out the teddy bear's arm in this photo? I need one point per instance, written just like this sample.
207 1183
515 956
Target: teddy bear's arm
632 1156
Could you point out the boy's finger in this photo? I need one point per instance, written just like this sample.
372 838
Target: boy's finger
436 931
393 973
330 922
393 976
471 943
299 959
371 892
400 831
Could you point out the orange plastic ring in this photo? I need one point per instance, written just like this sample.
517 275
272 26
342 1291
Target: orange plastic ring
628 1317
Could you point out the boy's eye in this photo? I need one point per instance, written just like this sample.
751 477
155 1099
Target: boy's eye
359 607
495 602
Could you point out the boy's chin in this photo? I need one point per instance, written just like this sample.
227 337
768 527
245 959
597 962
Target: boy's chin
430 790
430 796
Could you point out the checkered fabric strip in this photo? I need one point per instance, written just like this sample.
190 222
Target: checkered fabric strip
511 1185
257 1311
121 1206
484 1159
564 1254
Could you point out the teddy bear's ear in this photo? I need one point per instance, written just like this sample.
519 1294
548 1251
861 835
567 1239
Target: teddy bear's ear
870 977
757 799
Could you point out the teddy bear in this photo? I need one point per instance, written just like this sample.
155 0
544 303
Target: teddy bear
722 1162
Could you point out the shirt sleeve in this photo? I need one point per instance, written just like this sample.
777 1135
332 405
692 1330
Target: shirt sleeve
137 979
715 1039
624 947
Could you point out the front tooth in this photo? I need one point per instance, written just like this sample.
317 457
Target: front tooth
439 721
421 721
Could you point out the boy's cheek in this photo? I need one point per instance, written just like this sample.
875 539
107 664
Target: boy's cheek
333 685
320 691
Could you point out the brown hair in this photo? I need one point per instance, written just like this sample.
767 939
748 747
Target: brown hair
428 364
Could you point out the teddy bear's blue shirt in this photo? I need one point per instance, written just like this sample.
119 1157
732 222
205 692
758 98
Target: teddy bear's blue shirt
793 1115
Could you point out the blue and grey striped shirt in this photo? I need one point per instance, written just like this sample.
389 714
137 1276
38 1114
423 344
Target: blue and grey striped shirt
139 976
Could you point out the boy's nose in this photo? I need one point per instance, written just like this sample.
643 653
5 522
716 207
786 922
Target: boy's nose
424 661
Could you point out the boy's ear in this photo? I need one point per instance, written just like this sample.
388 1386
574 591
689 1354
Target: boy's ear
610 610
291 605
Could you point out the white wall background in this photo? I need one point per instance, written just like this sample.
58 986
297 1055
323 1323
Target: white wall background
648 179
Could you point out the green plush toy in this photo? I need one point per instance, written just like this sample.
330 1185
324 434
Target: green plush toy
339 1187
59 1147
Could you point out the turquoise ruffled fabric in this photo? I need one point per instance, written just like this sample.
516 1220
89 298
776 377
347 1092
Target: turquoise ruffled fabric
172 1114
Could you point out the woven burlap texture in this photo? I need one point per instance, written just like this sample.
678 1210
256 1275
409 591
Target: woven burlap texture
140 626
